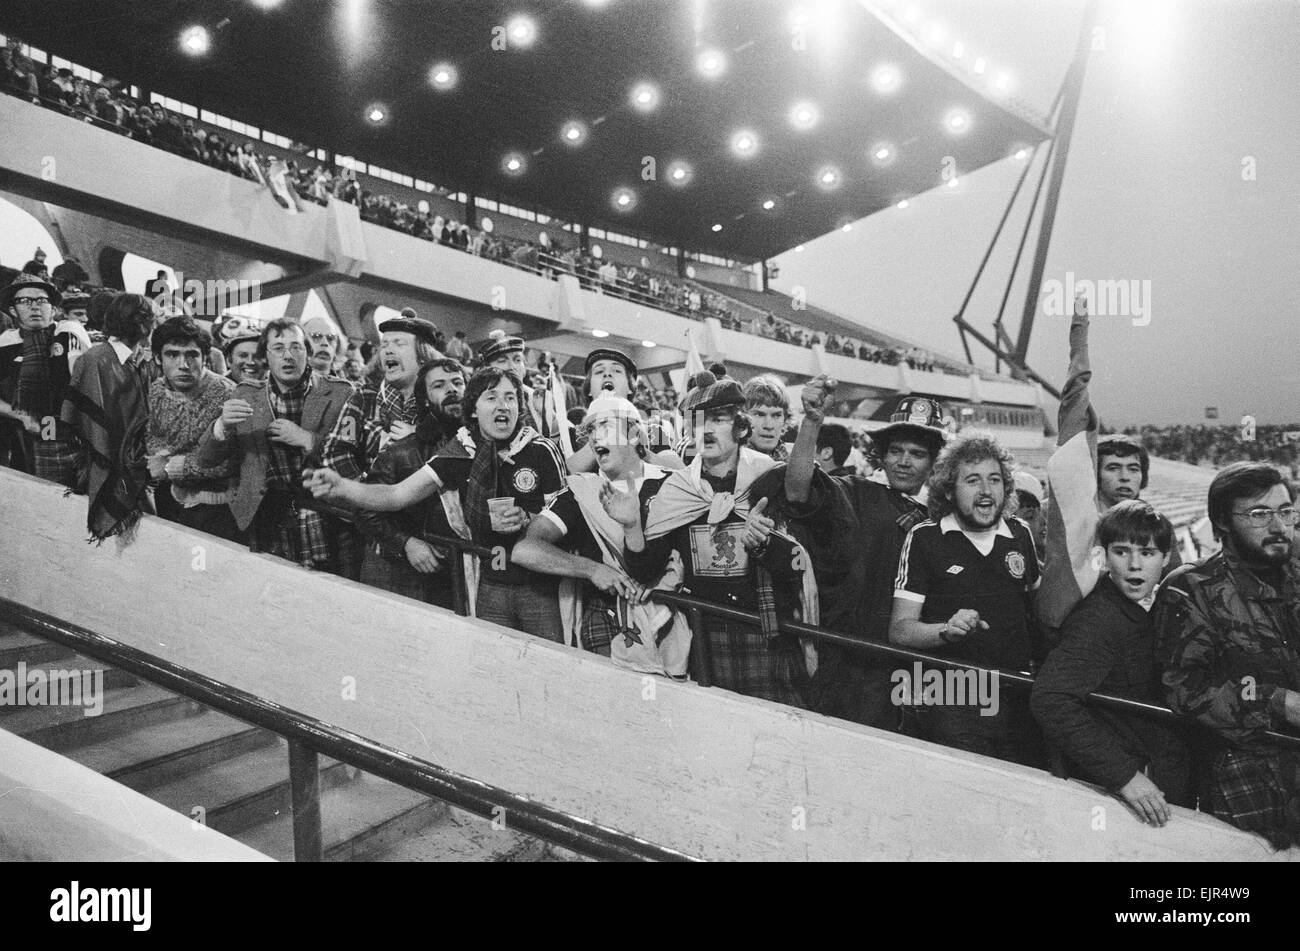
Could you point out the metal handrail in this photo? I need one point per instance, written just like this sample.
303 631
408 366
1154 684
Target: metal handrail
695 607
309 737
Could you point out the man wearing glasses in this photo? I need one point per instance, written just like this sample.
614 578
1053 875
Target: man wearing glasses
36 360
275 430
1229 630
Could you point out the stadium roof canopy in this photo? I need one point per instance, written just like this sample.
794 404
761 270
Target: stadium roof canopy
314 70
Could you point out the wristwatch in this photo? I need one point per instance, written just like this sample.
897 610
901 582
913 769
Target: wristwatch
943 633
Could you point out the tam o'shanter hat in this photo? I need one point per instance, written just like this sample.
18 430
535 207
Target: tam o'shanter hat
423 329
917 416
709 392
29 280
499 346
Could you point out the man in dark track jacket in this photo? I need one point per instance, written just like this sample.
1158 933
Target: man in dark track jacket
1108 646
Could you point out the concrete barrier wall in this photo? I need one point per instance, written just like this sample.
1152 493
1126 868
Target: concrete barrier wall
701 770
55 810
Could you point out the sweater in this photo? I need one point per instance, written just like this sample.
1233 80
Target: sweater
176 424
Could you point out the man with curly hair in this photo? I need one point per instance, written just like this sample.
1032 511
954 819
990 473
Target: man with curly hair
964 592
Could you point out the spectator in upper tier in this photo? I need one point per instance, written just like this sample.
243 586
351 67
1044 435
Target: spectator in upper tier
184 402
1108 646
768 409
1227 630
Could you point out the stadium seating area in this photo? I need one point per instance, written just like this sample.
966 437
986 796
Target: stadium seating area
108 104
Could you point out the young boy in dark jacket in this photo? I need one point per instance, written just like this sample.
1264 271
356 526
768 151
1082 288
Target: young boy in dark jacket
1108 646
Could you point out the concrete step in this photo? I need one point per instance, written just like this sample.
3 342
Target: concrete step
17 645
65 728
243 791
362 818
166 752
466 837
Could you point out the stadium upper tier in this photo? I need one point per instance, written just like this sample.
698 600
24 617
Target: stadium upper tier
739 133
782 308
174 201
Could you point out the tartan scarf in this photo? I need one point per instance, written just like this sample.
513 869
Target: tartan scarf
389 406
284 463
35 385
485 477
109 403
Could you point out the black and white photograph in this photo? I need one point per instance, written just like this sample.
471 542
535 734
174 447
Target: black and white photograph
690 431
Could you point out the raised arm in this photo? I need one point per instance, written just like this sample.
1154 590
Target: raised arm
803 458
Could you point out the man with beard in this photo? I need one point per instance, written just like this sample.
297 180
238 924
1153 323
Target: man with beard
611 373
964 589
513 474
240 351
400 555
766 405
36 361
184 402
1229 630
576 537
275 430
853 529
731 553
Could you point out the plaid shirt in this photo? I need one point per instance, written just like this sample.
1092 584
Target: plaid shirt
361 431
284 465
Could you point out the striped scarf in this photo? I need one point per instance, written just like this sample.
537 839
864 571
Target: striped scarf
35 386
485 477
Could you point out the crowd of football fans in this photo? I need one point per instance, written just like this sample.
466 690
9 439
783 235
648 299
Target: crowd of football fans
479 482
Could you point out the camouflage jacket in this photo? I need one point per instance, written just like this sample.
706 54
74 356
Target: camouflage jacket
1229 642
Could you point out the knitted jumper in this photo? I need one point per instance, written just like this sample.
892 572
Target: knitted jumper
176 424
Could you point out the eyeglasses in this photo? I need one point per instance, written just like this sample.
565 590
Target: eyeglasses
31 301
1262 517
280 349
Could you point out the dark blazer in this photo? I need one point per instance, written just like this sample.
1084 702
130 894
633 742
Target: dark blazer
247 440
